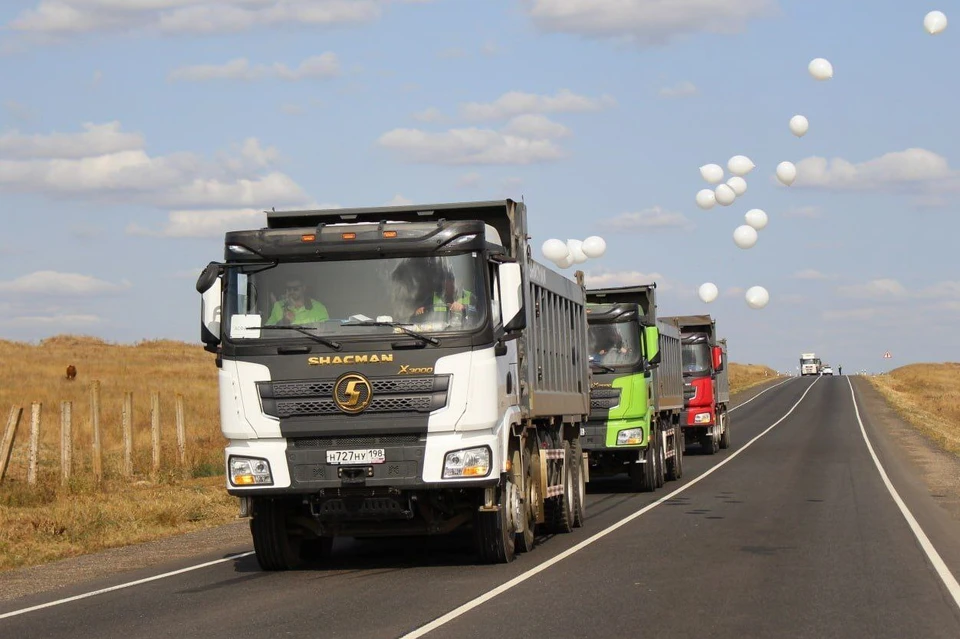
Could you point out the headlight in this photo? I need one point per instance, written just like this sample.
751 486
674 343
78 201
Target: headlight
701 418
248 471
468 462
631 436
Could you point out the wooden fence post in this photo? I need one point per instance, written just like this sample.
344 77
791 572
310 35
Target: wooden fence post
155 429
181 434
34 443
127 425
66 442
6 447
95 423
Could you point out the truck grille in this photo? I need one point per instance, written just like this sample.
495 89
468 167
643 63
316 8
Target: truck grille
604 398
312 398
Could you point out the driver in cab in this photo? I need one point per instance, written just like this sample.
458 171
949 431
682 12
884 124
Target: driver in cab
294 307
446 299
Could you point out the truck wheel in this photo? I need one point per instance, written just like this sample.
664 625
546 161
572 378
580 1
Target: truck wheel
725 437
675 465
642 477
580 497
530 490
496 532
709 444
275 547
560 510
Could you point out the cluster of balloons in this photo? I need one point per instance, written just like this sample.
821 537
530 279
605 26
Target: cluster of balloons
566 254
725 193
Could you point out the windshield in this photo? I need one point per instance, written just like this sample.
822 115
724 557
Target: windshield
696 358
615 344
427 294
805 362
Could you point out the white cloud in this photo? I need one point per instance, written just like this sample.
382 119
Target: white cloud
652 219
468 146
70 17
97 139
603 278
61 284
646 22
107 164
536 126
469 180
881 289
681 90
325 65
913 169
431 114
807 212
811 274
209 223
518 103
399 200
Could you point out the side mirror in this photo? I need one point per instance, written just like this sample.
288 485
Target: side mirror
651 336
207 277
210 310
511 298
717 358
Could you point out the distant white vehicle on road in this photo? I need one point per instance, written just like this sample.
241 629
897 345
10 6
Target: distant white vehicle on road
826 370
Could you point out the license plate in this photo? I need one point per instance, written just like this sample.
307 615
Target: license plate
356 456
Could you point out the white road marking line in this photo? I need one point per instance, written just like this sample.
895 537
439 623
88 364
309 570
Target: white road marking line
738 406
487 596
948 579
129 584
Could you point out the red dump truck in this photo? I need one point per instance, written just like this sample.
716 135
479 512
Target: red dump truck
706 386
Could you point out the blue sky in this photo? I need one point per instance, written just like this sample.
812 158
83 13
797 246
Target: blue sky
134 132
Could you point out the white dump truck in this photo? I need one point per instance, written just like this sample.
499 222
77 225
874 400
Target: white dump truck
397 370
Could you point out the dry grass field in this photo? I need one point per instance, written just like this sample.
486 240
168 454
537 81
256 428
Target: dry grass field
927 396
52 521
744 376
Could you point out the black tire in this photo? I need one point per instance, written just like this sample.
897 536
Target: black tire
661 459
494 535
530 466
675 465
580 497
560 509
642 476
275 547
725 437
709 444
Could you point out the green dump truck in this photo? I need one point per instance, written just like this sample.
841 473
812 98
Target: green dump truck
636 395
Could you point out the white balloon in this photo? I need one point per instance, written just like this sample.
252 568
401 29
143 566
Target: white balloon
712 173
745 236
740 165
576 251
554 250
594 246
757 297
725 195
708 292
756 218
565 262
799 125
706 198
935 22
820 69
786 173
738 184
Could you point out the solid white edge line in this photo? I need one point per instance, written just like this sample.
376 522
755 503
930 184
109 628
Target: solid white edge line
247 554
129 584
487 596
942 570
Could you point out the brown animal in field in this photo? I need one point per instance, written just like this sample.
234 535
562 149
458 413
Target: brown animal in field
71 371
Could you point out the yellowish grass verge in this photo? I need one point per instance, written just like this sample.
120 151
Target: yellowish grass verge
928 397
744 376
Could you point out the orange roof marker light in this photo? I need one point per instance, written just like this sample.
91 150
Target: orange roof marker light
389 233
309 238
348 236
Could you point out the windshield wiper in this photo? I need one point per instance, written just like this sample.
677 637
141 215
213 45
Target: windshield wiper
306 331
412 333
603 367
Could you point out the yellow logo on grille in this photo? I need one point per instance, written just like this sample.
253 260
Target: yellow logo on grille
352 393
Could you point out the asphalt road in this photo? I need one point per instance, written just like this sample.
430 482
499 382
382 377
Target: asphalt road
790 533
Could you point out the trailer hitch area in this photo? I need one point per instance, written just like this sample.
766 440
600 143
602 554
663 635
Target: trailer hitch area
354 475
